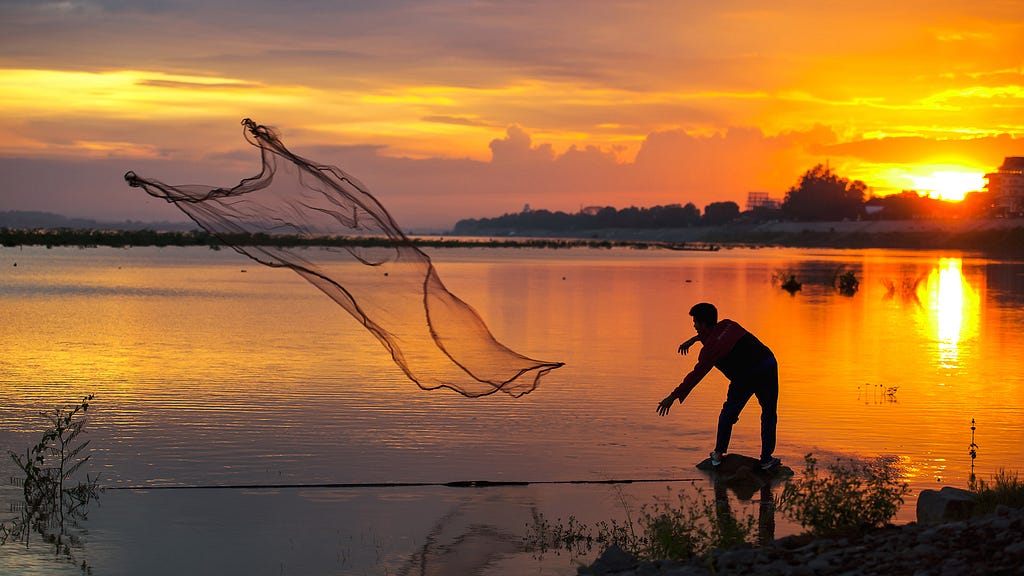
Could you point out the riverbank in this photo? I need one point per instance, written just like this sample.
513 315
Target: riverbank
138 238
1000 236
992 544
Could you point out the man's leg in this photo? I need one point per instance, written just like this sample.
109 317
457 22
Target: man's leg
737 397
768 397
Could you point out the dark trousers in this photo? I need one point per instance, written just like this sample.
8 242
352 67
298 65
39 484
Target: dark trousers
762 382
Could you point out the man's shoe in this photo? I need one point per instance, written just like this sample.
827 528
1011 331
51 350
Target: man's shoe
716 458
770 463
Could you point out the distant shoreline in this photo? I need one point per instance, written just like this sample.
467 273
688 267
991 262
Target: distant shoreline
995 236
998 236
146 238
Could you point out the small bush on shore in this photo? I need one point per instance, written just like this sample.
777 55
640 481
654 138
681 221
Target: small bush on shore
686 528
849 498
1005 489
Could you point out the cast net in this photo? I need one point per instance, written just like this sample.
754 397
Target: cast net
389 285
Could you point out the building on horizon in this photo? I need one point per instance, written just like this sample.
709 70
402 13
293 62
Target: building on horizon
1007 186
761 200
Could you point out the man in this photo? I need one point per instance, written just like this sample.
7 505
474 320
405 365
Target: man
751 369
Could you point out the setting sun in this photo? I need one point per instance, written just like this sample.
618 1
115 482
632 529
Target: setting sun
949 184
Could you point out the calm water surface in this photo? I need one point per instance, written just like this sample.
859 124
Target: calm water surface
209 369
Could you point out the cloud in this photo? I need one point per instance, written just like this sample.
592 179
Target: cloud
988 150
673 167
727 165
182 85
517 148
456 120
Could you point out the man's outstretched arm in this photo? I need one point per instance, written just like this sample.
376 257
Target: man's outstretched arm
679 393
686 386
685 346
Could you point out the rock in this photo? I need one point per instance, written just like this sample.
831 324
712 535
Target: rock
686 570
978 545
743 474
1015 549
930 535
648 569
736 557
818 564
954 567
612 561
944 505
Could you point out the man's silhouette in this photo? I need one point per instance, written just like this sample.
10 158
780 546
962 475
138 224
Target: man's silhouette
751 369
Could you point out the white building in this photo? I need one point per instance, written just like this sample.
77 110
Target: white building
1007 186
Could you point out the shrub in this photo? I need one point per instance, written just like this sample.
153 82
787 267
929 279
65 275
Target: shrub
677 530
852 497
1006 489
846 283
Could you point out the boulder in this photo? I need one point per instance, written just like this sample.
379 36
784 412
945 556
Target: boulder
947 504
743 474
613 560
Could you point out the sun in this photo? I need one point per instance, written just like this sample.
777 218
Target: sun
950 185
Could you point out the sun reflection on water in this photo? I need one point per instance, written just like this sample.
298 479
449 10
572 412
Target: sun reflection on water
953 308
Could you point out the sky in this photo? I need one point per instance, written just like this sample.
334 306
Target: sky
464 109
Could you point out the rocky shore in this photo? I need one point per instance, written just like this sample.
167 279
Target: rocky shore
992 544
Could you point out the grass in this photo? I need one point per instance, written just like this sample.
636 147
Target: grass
676 527
1005 489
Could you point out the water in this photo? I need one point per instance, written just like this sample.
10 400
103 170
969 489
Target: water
210 370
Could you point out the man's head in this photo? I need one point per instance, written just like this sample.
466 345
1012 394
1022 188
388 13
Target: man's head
704 315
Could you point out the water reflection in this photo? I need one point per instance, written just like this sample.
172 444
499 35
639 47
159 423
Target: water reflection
728 523
1005 282
467 540
953 309
191 396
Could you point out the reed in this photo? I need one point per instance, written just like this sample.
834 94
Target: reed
53 506
1005 489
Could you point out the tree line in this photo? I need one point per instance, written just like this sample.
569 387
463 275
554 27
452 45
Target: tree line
671 216
819 195
89 238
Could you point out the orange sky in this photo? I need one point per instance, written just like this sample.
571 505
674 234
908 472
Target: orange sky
455 109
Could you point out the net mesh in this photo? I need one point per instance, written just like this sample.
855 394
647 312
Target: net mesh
390 287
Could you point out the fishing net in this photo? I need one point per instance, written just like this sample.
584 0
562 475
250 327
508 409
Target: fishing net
381 278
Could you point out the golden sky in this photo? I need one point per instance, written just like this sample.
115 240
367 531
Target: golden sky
456 109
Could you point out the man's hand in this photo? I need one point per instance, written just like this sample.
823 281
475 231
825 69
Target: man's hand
665 405
685 346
